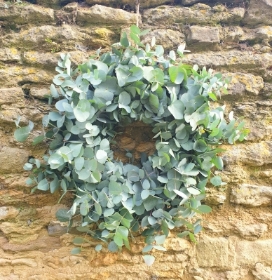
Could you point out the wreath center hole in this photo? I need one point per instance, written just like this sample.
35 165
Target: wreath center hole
131 141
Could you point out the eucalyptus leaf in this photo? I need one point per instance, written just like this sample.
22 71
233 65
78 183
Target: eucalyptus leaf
83 110
148 259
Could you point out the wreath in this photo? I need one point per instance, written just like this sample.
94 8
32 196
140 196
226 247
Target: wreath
132 83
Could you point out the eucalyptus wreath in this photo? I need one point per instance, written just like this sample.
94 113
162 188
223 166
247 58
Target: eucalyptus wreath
132 83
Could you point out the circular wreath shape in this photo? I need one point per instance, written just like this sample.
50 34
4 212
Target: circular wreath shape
132 83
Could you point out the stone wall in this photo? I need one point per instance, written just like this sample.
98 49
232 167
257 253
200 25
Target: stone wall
233 37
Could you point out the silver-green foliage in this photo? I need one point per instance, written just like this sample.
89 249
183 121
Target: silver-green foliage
133 82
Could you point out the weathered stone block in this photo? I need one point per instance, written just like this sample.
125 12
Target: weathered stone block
13 96
128 4
54 39
169 39
12 159
245 83
47 60
251 252
203 35
255 154
39 92
252 195
258 12
24 261
8 212
242 61
262 272
213 252
25 14
22 75
251 231
98 14
200 14
10 55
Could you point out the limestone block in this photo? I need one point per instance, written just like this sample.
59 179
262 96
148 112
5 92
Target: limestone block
59 38
242 83
10 55
251 231
45 37
242 224
20 232
258 12
241 61
252 195
24 261
169 39
13 75
254 154
262 272
263 32
98 14
213 251
128 4
203 35
265 173
8 212
200 14
12 159
24 14
237 274
257 116
39 92
13 96
213 274
43 243
47 60
232 34
251 252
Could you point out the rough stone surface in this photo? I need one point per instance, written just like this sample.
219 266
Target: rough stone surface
198 14
8 212
128 4
245 83
170 39
259 12
252 195
10 55
262 272
252 252
39 92
202 35
11 96
256 154
12 159
105 15
231 36
213 252
23 14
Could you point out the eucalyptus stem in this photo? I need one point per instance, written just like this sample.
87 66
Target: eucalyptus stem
137 6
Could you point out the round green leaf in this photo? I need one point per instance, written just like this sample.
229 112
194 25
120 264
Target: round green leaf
148 259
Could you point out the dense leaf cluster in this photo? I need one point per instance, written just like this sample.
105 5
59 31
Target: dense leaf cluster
133 82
